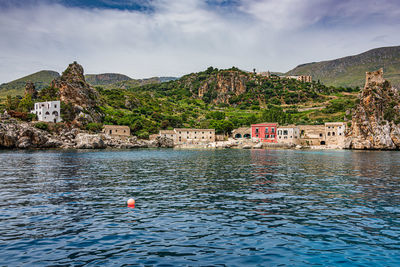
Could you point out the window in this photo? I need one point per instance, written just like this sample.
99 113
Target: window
272 136
273 130
285 132
340 133
202 137
285 137
329 133
266 135
55 105
266 129
333 133
256 130
320 135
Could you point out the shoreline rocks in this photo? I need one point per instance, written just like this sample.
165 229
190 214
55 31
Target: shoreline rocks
24 135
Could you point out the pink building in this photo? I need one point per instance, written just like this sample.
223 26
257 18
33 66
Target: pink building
265 132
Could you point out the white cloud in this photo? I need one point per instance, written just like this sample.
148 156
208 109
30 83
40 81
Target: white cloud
179 37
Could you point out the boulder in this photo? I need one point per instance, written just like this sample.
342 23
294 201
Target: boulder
89 141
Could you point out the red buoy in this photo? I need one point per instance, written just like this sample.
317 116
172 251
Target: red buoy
131 203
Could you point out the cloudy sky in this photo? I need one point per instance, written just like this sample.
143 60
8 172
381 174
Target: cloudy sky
144 38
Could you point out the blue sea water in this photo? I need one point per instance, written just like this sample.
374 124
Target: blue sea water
200 207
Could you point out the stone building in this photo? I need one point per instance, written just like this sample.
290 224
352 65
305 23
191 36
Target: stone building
194 136
242 133
335 133
47 111
168 133
288 134
264 132
302 78
312 135
117 130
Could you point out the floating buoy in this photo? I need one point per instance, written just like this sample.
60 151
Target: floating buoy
131 203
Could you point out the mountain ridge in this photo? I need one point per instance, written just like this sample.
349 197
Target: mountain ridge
350 70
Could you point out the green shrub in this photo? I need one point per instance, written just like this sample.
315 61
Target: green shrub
94 127
42 126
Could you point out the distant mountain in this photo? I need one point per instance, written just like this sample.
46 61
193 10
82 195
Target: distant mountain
41 79
167 79
350 71
105 78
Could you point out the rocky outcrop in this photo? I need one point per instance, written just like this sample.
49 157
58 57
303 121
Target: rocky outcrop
14 134
222 86
376 119
23 135
75 91
30 89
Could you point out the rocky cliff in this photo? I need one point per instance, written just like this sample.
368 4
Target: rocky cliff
74 90
376 119
224 85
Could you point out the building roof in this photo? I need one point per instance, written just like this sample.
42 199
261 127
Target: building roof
116 126
335 123
167 132
191 129
265 123
242 130
288 126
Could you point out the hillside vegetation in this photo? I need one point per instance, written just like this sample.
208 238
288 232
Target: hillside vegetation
41 80
219 99
224 100
350 71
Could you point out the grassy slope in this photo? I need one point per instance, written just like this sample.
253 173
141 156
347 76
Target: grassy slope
350 71
41 79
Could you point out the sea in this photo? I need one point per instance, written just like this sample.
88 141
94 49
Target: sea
200 208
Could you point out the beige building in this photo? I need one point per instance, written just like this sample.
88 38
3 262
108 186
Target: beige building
242 133
302 78
117 130
194 136
335 133
312 135
168 133
288 134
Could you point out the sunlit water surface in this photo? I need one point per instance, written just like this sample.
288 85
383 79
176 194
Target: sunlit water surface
224 207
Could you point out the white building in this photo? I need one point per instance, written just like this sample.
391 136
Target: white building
288 134
48 111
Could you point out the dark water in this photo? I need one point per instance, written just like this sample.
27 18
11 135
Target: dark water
226 207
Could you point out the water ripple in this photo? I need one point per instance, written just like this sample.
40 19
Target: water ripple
224 207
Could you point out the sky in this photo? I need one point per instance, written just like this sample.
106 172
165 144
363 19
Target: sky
146 38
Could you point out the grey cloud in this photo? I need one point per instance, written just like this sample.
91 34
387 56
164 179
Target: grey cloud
181 36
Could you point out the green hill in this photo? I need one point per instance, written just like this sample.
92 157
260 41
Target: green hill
41 79
350 71
222 99
106 78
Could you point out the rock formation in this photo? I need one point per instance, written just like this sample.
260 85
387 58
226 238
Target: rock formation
224 85
376 119
74 90
24 135
30 89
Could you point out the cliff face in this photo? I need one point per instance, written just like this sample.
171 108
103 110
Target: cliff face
376 119
224 85
218 86
74 90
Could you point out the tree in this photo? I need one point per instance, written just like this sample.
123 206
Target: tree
26 104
